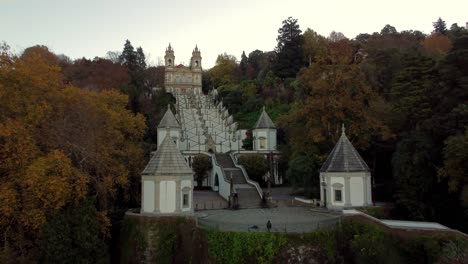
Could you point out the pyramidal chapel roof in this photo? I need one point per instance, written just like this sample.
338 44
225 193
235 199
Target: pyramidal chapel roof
169 120
344 157
167 161
264 121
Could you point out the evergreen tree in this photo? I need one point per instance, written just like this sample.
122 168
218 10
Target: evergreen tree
410 89
439 27
128 57
243 63
289 52
140 59
74 237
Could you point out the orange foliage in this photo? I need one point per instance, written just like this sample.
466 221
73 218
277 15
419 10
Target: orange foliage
60 143
437 44
48 185
337 94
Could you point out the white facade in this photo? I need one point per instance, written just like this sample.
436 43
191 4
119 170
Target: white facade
163 195
345 179
264 139
354 187
174 134
167 182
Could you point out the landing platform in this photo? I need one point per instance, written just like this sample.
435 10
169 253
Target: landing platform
283 219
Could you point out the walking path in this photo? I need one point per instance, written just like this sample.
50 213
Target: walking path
283 219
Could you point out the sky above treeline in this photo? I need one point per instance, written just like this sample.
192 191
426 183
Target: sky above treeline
90 28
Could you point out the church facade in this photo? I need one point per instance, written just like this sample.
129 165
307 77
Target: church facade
180 78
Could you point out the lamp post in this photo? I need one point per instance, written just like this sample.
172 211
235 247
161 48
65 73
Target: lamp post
238 142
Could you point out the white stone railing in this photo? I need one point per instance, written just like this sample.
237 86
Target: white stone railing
224 187
246 176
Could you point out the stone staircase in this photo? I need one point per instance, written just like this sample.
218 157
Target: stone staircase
247 194
225 161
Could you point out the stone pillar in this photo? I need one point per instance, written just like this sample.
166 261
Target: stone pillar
328 189
178 194
157 199
347 188
367 190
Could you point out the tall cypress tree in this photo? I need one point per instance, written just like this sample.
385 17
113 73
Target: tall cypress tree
289 51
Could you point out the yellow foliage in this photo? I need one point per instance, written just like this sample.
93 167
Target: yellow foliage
48 185
8 202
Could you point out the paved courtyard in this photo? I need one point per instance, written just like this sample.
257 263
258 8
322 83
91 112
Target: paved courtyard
283 219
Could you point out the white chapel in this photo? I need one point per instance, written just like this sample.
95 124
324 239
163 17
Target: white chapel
345 179
167 182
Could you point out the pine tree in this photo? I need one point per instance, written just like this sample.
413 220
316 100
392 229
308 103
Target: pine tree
439 27
140 59
128 56
289 49
243 63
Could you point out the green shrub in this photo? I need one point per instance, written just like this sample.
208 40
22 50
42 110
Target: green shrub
237 247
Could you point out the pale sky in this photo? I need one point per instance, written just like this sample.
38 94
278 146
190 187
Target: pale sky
89 28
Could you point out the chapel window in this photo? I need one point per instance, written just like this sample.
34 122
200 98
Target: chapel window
338 196
185 200
262 141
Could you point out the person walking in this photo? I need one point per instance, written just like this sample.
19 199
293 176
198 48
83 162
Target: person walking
268 225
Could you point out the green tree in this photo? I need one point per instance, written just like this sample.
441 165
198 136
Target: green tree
388 29
200 165
303 173
225 70
315 46
74 236
140 59
439 27
128 57
255 165
243 64
410 92
289 51
455 167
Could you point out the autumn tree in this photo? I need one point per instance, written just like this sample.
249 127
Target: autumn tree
97 74
225 70
336 36
58 144
338 94
437 45
315 46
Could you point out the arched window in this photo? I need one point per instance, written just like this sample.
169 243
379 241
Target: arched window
262 141
216 183
169 62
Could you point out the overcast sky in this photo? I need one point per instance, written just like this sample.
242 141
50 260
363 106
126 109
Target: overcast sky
89 28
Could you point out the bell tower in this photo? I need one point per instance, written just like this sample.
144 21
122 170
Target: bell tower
169 57
196 59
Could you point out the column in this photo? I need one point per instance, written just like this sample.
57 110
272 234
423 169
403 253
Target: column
347 191
156 196
328 191
178 194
